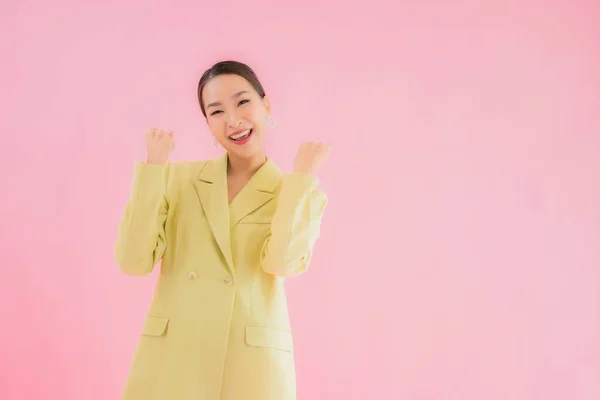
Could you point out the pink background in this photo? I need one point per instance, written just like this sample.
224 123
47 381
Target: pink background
459 257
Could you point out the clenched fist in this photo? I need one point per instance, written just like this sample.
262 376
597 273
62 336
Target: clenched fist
159 144
310 156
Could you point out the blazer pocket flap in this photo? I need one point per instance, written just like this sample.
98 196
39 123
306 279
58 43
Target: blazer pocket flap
263 336
255 220
155 326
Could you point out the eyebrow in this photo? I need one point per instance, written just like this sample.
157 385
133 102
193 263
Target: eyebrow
217 103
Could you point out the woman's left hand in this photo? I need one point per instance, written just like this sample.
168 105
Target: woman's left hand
310 155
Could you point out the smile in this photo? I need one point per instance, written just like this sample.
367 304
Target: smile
241 137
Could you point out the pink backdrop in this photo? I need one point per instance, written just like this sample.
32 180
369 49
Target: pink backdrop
459 258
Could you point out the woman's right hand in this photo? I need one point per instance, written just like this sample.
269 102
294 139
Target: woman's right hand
159 144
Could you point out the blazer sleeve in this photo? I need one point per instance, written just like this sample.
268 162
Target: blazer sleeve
295 226
141 240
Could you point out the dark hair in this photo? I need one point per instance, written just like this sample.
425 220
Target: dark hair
229 67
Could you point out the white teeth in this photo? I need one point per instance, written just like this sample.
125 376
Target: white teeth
241 135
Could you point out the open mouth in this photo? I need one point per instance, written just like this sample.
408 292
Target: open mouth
242 136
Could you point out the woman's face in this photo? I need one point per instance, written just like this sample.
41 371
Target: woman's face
236 114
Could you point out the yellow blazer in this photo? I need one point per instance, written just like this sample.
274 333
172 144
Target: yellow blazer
218 325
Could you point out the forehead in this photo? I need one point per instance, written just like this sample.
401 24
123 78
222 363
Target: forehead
222 87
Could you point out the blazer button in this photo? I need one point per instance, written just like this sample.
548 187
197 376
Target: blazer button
192 275
229 281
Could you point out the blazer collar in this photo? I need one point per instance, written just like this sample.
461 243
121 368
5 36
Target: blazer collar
264 179
211 187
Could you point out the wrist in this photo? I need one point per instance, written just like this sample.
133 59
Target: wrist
303 171
154 162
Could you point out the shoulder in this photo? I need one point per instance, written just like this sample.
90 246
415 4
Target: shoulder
184 169
179 172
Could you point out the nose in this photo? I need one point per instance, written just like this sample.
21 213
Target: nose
233 120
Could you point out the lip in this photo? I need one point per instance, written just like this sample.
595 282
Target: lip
238 132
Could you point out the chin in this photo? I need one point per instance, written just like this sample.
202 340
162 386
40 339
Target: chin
248 150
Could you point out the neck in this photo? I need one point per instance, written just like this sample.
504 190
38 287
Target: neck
237 166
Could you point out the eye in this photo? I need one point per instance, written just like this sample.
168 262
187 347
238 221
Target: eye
215 112
243 102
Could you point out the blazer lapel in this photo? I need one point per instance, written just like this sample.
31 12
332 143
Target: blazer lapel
259 190
211 187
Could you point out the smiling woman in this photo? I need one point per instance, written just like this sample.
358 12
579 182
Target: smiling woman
236 108
227 232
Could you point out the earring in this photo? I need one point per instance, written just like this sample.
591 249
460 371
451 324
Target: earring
215 142
271 123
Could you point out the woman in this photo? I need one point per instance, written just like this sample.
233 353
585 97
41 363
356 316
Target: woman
227 232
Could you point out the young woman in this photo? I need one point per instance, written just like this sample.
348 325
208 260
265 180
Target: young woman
227 231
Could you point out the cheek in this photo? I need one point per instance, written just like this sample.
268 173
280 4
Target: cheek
215 126
259 117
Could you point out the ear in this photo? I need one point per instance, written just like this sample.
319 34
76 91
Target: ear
267 104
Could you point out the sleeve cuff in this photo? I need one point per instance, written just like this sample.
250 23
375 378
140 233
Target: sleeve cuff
300 181
150 179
